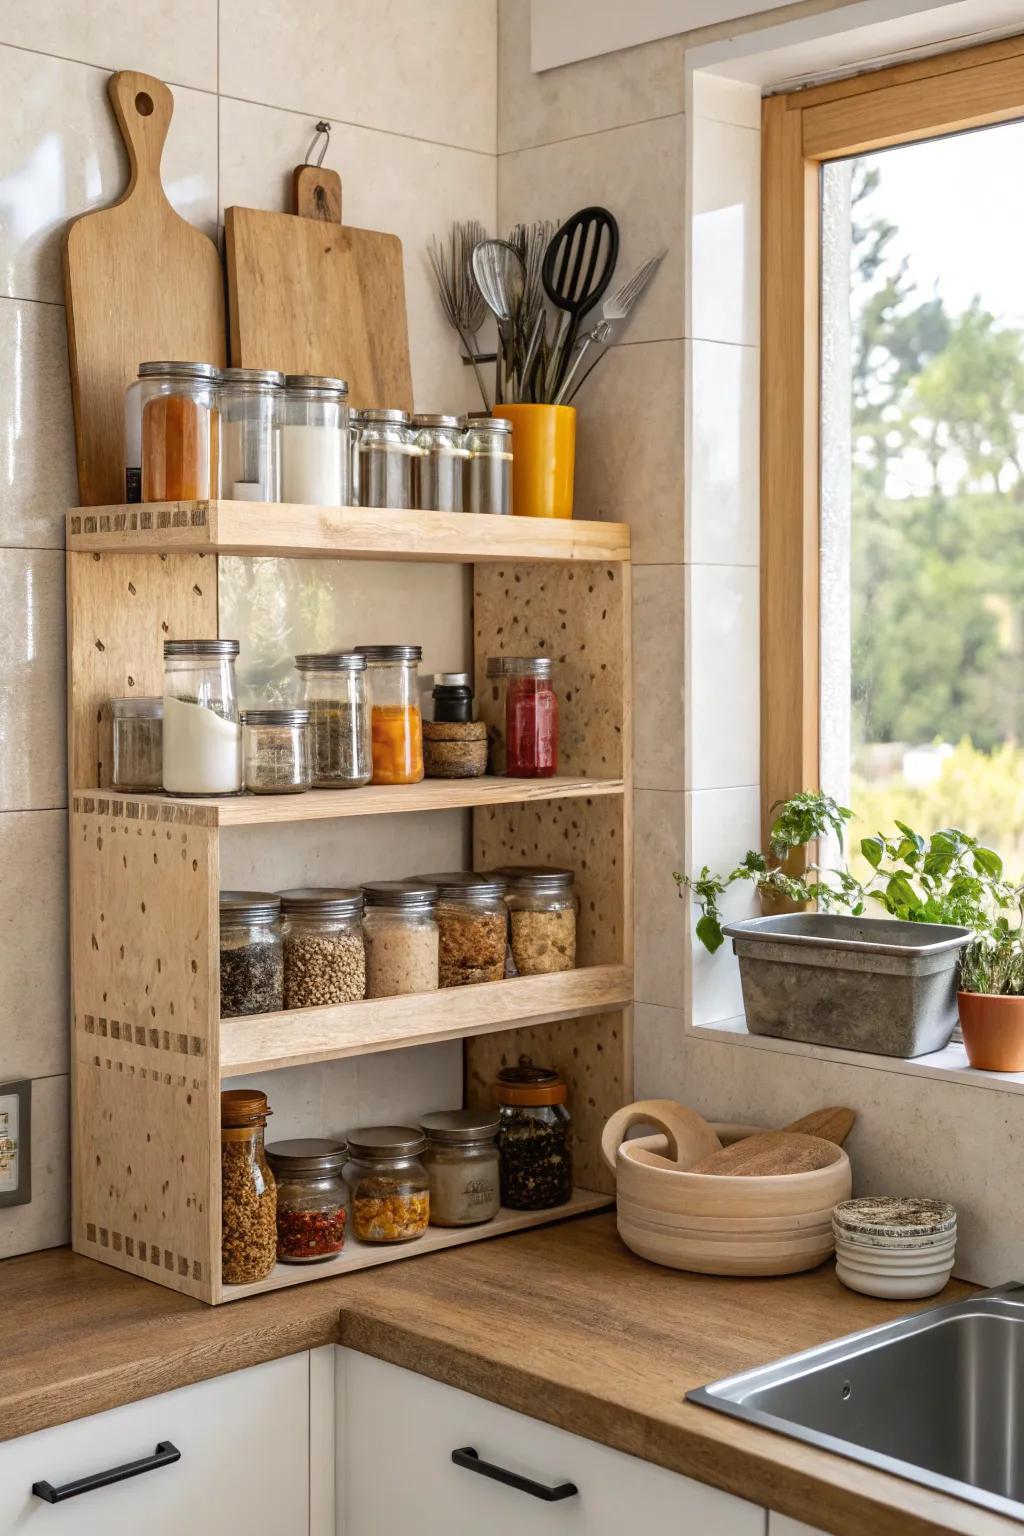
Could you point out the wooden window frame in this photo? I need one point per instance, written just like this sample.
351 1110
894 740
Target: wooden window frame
801 131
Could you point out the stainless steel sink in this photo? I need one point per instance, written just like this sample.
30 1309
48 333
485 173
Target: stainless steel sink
937 1398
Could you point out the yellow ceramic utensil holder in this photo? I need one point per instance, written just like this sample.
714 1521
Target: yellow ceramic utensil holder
543 458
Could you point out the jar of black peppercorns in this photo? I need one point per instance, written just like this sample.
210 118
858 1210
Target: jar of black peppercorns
534 1137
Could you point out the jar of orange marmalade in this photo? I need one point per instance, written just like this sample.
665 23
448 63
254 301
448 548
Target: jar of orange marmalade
396 723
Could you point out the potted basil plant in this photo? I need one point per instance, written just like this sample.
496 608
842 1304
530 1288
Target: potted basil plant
990 1001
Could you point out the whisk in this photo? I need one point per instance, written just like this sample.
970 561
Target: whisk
461 299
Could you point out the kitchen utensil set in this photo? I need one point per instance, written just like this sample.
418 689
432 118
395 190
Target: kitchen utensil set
540 284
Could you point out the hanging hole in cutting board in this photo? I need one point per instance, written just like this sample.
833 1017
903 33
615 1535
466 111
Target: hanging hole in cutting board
144 104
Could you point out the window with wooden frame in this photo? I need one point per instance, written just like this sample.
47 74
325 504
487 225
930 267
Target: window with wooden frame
930 418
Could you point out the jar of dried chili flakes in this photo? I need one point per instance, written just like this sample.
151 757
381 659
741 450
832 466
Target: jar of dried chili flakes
312 1199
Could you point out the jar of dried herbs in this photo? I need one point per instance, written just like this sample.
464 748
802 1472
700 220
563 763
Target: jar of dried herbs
138 733
324 955
275 751
312 1199
472 921
248 1192
335 693
251 954
542 918
390 1189
534 1137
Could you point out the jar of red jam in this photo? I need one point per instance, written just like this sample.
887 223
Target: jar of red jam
312 1199
531 718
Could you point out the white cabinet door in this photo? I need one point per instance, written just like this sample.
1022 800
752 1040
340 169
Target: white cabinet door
244 1468
397 1432
782 1525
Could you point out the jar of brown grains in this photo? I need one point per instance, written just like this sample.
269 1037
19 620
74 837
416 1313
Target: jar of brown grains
324 956
248 1191
400 930
542 918
472 921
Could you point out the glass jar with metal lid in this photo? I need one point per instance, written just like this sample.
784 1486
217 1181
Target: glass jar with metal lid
396 722
250 414
531 718
400 930
542 918
489 467
276 751
312 1199
180 431
389 1184
251 953
202 735
472 921
534 1137
335 693
315 448
462 1165
384 453
138 728
438 471
324 955
247 1189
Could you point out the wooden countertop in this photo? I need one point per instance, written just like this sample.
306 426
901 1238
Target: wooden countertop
561 1323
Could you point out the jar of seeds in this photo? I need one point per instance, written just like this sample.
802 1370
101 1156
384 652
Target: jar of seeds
248 1192
251 956
472 921
324 957
542 918
534 1137
138 730
275 751
335 693
400 929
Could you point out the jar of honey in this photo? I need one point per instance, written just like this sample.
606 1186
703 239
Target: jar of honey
395 720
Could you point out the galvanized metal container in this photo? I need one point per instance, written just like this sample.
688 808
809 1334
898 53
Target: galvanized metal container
860 984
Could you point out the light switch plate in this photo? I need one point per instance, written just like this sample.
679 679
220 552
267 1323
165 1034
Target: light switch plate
15 1143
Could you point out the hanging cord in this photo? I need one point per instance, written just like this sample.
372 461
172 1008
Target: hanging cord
322 131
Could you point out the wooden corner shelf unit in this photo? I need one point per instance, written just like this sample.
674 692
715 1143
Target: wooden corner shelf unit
150 1050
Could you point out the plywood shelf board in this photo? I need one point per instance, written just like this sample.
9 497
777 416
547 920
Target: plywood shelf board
355 533
268 1042
358 1255
374 800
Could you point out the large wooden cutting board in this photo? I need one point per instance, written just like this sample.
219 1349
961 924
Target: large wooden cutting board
140 284
307 294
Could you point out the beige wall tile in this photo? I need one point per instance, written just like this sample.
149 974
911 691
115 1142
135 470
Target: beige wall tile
62 154
629 459
722 676
402 185
724 460
607 92
33 944
658 639
32 706
636 172
661 918
173 39
658 1039
45 1221
37 446
429 71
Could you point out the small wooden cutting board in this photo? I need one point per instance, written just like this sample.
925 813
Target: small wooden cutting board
772 1152
309 295
141 284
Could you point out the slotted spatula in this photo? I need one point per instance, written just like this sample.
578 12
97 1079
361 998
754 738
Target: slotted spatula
578 266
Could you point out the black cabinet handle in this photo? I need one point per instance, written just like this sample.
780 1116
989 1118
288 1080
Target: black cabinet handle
470 1459
163 1456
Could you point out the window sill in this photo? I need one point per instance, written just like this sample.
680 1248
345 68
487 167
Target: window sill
949 1066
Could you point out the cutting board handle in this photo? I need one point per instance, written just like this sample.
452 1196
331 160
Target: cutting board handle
316 193
143 106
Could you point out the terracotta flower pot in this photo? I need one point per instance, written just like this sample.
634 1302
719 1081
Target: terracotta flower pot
993 1030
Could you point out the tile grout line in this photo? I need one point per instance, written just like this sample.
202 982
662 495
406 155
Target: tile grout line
593 133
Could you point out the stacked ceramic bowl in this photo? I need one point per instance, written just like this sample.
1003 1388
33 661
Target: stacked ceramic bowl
894 1246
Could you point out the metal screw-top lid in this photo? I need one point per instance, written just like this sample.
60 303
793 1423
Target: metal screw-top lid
313 1154
480 891
137 709
315 383
391 652
480 421
385 1141
384 414
423 420
267 376
454 1126
408 895
200 648
206 372
535 878
275 717
258 907
331 661
527 666
322 901
527 1085
452 680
